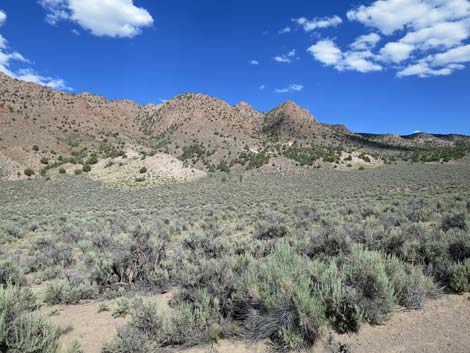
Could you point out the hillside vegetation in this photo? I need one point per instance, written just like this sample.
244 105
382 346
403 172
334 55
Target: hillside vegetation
47 132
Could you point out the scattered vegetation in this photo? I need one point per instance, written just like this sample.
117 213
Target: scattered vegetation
273 257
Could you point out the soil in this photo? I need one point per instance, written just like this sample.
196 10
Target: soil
442 326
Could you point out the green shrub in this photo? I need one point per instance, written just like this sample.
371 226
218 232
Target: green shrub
454 221
44 160
86 168
28 172
460 279
366 272
121 308
35 148
77 171
143 170
10 274
61 292
62 171
276 300
21 329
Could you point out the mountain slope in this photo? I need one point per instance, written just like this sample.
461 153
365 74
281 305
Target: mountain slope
41 128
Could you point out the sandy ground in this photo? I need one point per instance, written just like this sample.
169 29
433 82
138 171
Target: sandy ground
160 168
442 326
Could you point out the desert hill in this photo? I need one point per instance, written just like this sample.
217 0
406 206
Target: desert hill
43 129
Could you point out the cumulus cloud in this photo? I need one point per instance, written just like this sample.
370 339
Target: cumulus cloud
396 52
456 55
8 57
317 23
327 52
390 16
254 62
3 17
420 38
423 69
290 89
365 42
286 58
112 18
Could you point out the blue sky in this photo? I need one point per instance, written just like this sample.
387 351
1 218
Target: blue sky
377 66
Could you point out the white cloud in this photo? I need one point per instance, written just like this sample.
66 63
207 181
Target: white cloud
440 64
29 75
392 15
327 52
3 17
358 61
430 38
286 58
7 57
285 30
3 42
456 55
290 89
367 41
316 23
445 35
261 87
396 52
422 69
113 18
254 62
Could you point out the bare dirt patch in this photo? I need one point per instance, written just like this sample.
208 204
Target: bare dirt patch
133 170
442 326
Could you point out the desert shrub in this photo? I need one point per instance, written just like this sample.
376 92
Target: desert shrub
366 272
77 171
44 160
74 347
459 244
10 274
143 170
148 330
62 170
133 258
121 308
419 210
47 251
331 242
22 330
411 286
92 160
61 292
454 221
86 168
460 279
275 300
28 172
340 300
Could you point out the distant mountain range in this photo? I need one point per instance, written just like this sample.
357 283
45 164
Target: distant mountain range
38 122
